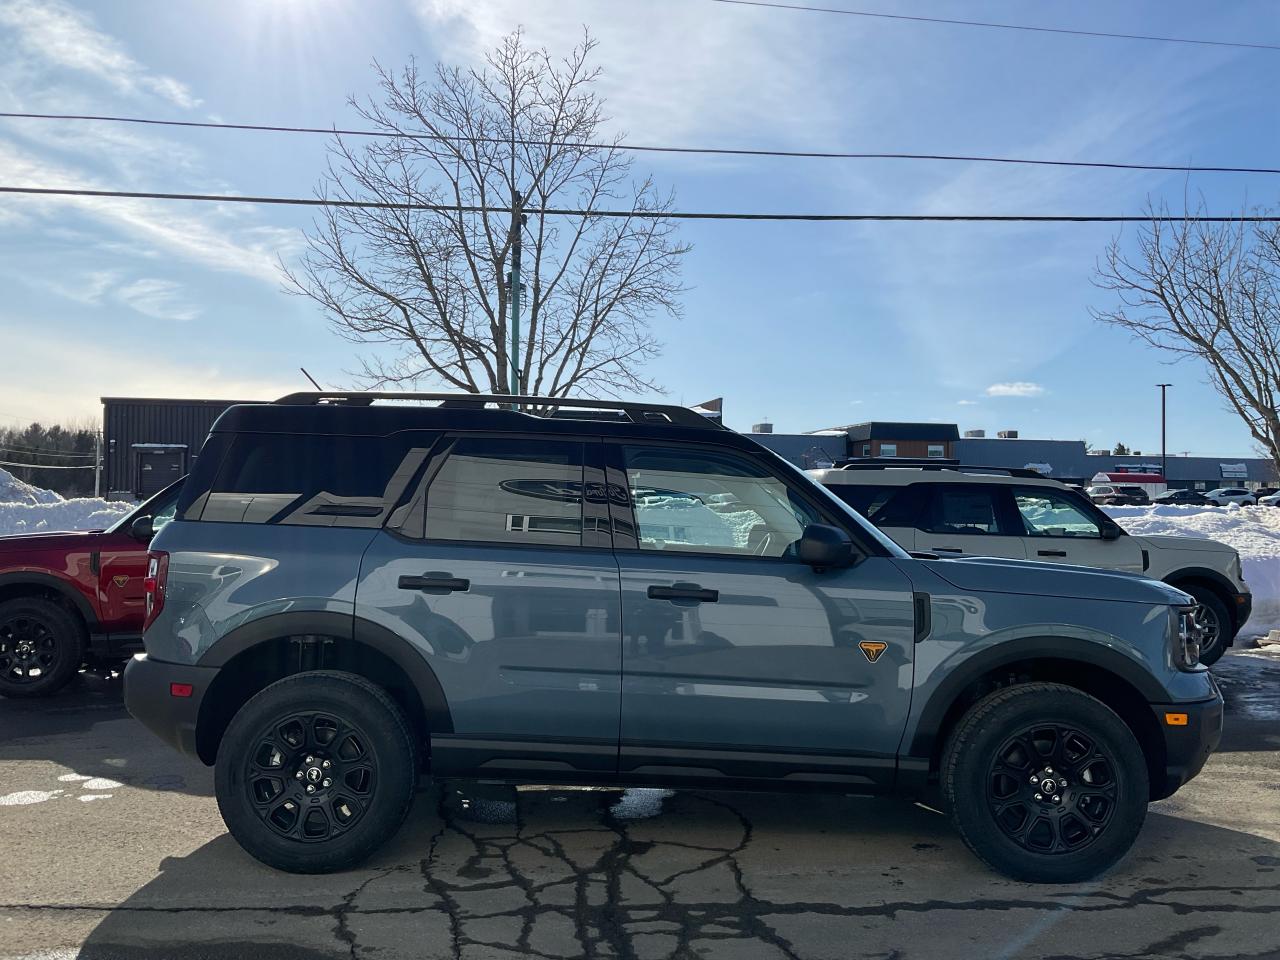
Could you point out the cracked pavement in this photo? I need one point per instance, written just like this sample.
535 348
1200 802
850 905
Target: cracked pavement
147 870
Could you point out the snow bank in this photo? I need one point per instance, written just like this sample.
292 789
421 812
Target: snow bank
13 490
1253 531
28 509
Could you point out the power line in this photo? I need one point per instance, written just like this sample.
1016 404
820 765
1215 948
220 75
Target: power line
42 466
638 214
1001 26
649 148
10 448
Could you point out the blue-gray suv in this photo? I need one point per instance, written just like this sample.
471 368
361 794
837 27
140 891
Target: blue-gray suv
357 590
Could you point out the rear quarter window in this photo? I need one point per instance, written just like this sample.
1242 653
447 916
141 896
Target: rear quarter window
313 479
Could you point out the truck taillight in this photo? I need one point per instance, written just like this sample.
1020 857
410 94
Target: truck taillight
154 583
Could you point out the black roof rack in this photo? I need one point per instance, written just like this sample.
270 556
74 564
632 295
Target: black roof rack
883 463
652 414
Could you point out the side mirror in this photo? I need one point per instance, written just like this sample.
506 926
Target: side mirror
142 529
823 546
1111 530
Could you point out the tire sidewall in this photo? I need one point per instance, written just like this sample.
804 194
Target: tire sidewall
389 743
68 634
969 793
1209 599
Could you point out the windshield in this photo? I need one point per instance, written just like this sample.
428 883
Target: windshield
160 508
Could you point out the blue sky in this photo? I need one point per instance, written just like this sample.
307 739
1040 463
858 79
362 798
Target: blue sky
805 325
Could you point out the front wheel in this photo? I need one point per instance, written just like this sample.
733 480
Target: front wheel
316 772
1045 783
41 647
1215 623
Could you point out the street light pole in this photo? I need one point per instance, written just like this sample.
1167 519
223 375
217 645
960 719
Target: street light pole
1164 465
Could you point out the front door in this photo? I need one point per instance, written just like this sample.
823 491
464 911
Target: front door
1062 530
739 661
490 573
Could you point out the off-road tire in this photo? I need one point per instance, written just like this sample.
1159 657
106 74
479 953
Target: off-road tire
1209 655
28 619
359 709
973 773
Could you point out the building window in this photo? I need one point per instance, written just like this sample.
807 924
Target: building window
937 450
866 449
888 449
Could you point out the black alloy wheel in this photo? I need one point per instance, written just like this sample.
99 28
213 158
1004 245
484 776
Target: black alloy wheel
312 776
41 647
1052 788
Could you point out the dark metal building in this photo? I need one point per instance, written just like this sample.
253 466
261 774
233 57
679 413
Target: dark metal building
147 443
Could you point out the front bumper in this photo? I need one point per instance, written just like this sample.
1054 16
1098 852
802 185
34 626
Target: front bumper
1191 732
151 689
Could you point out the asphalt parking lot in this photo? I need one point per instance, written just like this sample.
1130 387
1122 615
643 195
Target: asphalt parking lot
113 848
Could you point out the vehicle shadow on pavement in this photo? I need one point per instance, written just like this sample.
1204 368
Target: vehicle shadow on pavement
86 730
648 873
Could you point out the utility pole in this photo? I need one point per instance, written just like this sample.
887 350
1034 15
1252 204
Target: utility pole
517 223
1164 465
97 463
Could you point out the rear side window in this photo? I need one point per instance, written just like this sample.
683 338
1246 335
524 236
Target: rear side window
496 490
313 480
963 509
865 498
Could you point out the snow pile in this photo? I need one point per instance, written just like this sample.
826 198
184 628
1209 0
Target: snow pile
13 490
1252 531
28 509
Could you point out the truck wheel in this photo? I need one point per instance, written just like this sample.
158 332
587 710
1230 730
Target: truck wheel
1212 615
316 772
41 647
1045 783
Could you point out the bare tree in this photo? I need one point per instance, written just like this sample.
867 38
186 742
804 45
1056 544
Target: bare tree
433 286
1207 291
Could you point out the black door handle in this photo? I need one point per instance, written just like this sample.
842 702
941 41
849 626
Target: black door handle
434 582
1051 553
946 550
683 591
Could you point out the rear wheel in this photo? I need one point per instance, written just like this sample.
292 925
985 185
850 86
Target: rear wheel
1045 783
316 772
41 647
1213 618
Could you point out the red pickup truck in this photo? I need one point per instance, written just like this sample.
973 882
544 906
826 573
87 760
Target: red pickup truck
71 599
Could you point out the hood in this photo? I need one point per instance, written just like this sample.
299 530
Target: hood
1200 544
44 540
995 575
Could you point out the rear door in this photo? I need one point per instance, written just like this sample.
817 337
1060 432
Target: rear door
499 570
1059 529
970 520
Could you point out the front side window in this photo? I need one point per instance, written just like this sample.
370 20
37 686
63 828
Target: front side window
1047 513
498 490
888 449
313 479
712 502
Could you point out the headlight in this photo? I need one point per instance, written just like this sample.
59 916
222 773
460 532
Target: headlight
1186 638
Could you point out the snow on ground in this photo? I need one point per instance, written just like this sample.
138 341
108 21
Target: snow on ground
1253 531
28 509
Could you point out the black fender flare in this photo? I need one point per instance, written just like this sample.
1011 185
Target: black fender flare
928 728
1229 589
342 626
59 586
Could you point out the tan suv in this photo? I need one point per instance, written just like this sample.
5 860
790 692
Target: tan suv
957 511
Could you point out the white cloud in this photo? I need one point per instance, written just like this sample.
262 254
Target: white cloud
1015 388
966 403
161 299
192 237
689 71
59 35
88 287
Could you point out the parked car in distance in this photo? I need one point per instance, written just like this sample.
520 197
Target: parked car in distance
353 592
1114 495
977 511
1190 498
1225 495
1269 500
1261 492
73 599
